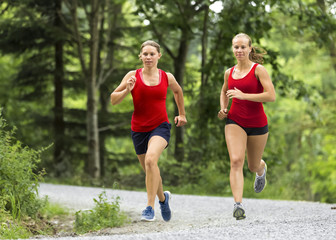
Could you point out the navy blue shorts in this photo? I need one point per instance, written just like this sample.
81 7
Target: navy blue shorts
250 131
141 139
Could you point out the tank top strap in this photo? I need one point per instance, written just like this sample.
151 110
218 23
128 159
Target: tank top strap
231 70
254 67
138 73
164 77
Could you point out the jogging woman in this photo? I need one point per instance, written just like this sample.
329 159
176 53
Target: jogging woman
246 131
150 125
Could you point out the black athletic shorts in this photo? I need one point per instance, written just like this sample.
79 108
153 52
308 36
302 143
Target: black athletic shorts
141 139
250 131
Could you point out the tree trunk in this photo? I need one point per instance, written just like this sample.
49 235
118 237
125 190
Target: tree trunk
204 46
204 78
92 111
102 98
58 95
179 68
113 11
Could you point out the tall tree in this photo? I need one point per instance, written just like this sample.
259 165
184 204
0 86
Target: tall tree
59 126
34 34
106 66
90 75
92 104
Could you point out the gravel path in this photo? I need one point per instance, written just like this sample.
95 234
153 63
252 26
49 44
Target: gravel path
201 217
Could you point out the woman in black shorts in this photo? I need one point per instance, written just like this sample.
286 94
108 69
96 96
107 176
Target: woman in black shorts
246 131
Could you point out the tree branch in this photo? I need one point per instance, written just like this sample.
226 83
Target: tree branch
73 11
112 127
102 76
159 36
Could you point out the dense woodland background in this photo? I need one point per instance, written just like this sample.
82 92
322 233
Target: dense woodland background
61 59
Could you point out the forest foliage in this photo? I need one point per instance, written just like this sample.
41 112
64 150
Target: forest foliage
61 59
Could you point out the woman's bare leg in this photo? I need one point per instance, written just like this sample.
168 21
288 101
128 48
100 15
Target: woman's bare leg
255 149
236 139
149 163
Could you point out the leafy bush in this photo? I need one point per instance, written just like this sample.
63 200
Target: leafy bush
103 215
18 181
323 173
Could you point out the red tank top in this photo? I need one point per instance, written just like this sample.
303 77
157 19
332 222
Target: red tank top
246 113
149 103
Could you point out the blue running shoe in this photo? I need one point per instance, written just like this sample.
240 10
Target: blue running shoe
260 181
238 211
165 209
148 214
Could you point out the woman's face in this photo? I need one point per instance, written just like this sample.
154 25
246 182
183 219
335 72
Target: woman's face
149 56
241 48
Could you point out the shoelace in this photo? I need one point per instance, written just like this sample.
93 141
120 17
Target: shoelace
164 207
146 212
238 205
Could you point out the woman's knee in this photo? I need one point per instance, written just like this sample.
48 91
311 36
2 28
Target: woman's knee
237 162
150 161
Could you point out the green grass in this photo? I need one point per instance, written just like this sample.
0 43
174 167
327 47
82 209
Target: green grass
10 229
53 209
105 214
26 227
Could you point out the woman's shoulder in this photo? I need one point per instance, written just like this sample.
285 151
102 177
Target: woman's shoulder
170 77
228 71
259 68
131 73
168 74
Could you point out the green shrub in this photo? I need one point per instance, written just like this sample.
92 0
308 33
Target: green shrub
18 180
103 215
323 173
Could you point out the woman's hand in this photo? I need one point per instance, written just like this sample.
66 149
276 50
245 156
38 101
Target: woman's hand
222 114
130 83
235 93
180 120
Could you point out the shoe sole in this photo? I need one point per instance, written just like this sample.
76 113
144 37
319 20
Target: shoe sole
265 181
239 214
147 220
263 187
169 198
169 194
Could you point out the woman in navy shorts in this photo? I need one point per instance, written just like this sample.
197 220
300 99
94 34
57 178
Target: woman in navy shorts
150 124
